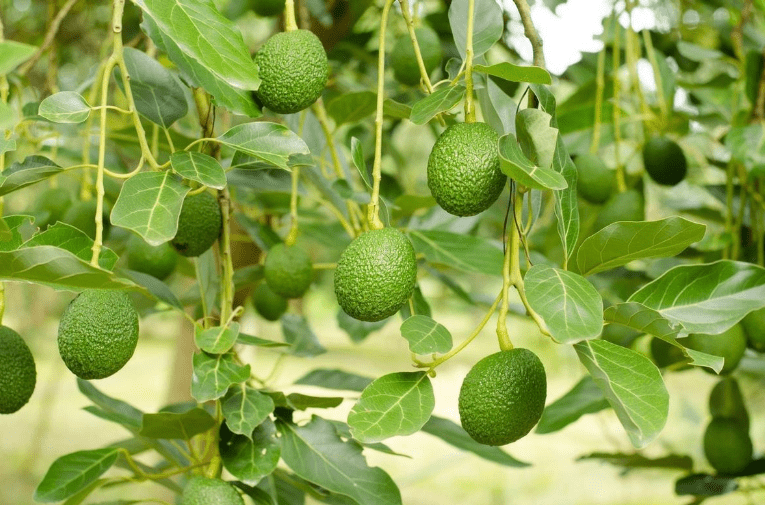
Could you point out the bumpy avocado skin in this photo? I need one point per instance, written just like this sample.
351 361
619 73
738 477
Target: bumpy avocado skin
404 62
293 70
664 161
503 396
157 261
199 225
596 182
98 333
18 374
267 303
288 271
376 275
204 491
463 169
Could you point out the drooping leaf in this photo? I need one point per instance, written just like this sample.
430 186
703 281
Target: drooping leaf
442 100
516 73
199 167
245 408
395 404
619 243
30 171
298 334
252 457
334 379
463 252
316 453
13 54
299 401
425 335
536 136
357 330
73 472
352 107
173 425
157 93
497 107
634 460
153 287
213 375
269 142
122 412
71 239
518 167
218 339
487 28
258 342
632 385
584 398
707 298
570 306
705 485
149 204
64 107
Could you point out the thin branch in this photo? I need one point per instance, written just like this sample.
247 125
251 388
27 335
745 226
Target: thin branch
531 32
49 36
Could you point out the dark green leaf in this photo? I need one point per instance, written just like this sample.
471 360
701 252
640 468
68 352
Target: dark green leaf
487 28
250 458
584 398
357 330
25 173
705 485
213 375
352 107
177 426
245 408
154 288
123 413
425 335
73 472
334 379
632 460
299 335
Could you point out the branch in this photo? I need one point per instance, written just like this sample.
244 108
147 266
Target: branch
49 36
531 32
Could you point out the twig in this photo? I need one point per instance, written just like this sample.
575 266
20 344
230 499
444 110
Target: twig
49 36
531 32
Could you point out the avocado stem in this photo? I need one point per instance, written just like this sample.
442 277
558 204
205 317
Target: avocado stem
417 53
289 16
469 104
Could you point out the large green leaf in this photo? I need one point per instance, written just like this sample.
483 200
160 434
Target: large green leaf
425 335
442 100
584 398
71 239
73 472
395 404
10 237
316 453
13 54
487 28
213 375
619 243
245 408
149 204
570 306
707 298
518 167
463 252
632 385
352 107
252 457
199 167
64 107
22 174
269 142
158 95
174 425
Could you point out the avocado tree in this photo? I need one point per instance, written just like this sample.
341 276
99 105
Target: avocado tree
219 159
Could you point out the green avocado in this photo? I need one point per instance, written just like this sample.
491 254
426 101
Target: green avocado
406 70
17 371
503 396
729 344
625 206
98 333
463 169
267 303
51 205
596 182
288 270
205 491
157 261
293 70
376 275
726 401
727 446
664 161
199 225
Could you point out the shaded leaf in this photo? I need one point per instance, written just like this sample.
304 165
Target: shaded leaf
213 375
153 288
357 152
425 335
487 28
334 379
298 334
64 107
705 485
73 472
357 330
633 460
518 167
25 173
250 458
199 167
536 136
176 425
269 142
352 107
258 342
442 100
584 398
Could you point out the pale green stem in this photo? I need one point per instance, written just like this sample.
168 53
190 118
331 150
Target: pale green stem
3 99
621 183
292 235
656 76
469 105
632 51
600 84
729 174
289 16
417 53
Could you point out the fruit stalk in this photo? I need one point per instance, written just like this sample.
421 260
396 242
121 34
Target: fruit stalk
420 63
469 105
289 16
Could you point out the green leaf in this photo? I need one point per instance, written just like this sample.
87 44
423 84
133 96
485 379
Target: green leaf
13 238
149 204
357 330
173 425
207 37
213 375
488 25
217 340
697 53
298 334
352 107
667 76
71 239
516 73
425 335
442 100
570 306
707 298
7 145
705 485
153 288
252 457
584 398
197 72
121 412
395 404
518 167
6 235
199 167
334 379
633 460
641 318
536 136
269 142
633 386
25 173
245 408
299 401
73 472
463 252
357 152
65 107
453 434
158 95
619 243
497 107
245 339
316 453
13 54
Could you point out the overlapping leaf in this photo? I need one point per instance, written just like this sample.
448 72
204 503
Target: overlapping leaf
487 29
213 375
442 100
22 174
518 167
425 335
252 457
173 425
516 73
245 408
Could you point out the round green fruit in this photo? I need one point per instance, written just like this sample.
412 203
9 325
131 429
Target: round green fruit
205 491
376 275
754 327
665 354
664 161
82 215
288 271
503 396
267 303
726 401
267 8
596 182
199 225
727 446
463 169
729 344
625 206
157 261
17 371
293 71
98 333
406 70
619 335
51 205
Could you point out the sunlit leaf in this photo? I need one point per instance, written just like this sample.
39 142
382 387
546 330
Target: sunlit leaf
518 167
245 408
13 54
516 73
22 174
218 339
425 335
